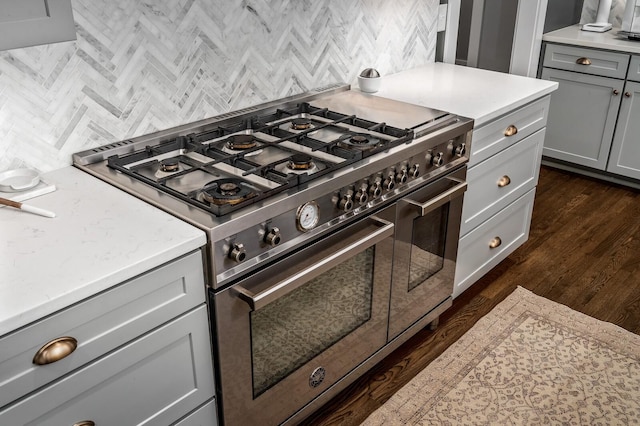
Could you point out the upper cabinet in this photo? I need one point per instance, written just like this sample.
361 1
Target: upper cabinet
31 22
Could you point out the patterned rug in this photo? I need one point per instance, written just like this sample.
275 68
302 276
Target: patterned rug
529 361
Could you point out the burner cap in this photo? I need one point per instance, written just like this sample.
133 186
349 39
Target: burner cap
226 191
300 162
170 165
359 141
301 123
241 142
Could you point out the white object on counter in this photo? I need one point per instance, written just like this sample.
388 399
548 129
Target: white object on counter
101 237
27 207
18 180
369 84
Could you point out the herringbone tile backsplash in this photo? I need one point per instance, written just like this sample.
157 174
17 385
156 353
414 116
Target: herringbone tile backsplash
140 66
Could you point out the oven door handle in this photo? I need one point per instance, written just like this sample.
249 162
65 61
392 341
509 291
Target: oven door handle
258 300
441 199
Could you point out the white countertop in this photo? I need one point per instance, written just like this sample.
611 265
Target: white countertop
100 237
609 40
470 92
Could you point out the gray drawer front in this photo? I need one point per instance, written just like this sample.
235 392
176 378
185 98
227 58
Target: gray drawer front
100 324
475 255
606 64
634 69
492 138
500 180
154 380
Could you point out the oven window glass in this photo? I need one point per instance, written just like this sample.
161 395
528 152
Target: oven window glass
295 328
427 246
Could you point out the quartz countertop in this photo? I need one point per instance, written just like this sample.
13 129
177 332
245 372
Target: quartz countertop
470 92
100 237
609 40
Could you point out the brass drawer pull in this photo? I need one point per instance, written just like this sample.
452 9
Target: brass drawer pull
583 61
627 94
511 130
495 243
616 92
85 423
504 181
55 350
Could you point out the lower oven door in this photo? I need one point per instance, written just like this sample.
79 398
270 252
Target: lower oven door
287 332
427 232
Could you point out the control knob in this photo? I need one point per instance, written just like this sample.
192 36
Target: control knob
435 159
389 183
414 171
273 237
361 195
238 252
346 203
401 176
460 150
375 189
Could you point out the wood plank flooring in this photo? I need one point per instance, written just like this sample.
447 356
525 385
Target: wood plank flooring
583 251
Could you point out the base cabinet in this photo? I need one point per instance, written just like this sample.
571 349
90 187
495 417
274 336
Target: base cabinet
593 123
582 117
625 150
497 207
142 357
150 381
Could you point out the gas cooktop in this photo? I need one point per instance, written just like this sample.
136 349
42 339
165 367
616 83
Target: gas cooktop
241 162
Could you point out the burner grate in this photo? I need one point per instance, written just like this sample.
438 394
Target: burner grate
259 149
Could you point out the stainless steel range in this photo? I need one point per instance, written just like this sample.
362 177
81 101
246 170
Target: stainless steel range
332 221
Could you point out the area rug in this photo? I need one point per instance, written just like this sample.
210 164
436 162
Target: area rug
528 361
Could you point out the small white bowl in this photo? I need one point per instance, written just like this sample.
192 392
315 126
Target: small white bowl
369 84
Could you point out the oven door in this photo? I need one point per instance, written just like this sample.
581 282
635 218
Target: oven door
288 332
427 232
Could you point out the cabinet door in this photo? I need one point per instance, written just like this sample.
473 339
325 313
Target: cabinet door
625 151
154 380
582 117
32 22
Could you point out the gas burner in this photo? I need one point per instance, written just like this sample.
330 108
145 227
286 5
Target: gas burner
241 142
301 124
236 144
359 141
170 165
299 164
227 191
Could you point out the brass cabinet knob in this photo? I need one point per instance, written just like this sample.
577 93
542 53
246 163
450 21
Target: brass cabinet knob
627 94
55 350
504 181
511 130
583 61
495 242
616 92
84 423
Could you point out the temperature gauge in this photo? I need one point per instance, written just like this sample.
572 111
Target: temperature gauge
308 216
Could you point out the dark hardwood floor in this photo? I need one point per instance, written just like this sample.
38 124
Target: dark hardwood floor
583 251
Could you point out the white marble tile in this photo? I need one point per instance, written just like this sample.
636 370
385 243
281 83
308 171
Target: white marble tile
137 67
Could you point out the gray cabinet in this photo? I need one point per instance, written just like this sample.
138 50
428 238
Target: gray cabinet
625 150
502 177
32 22
582 117
142 354
593 123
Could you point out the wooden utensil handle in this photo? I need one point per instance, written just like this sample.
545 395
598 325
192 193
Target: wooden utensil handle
10 203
